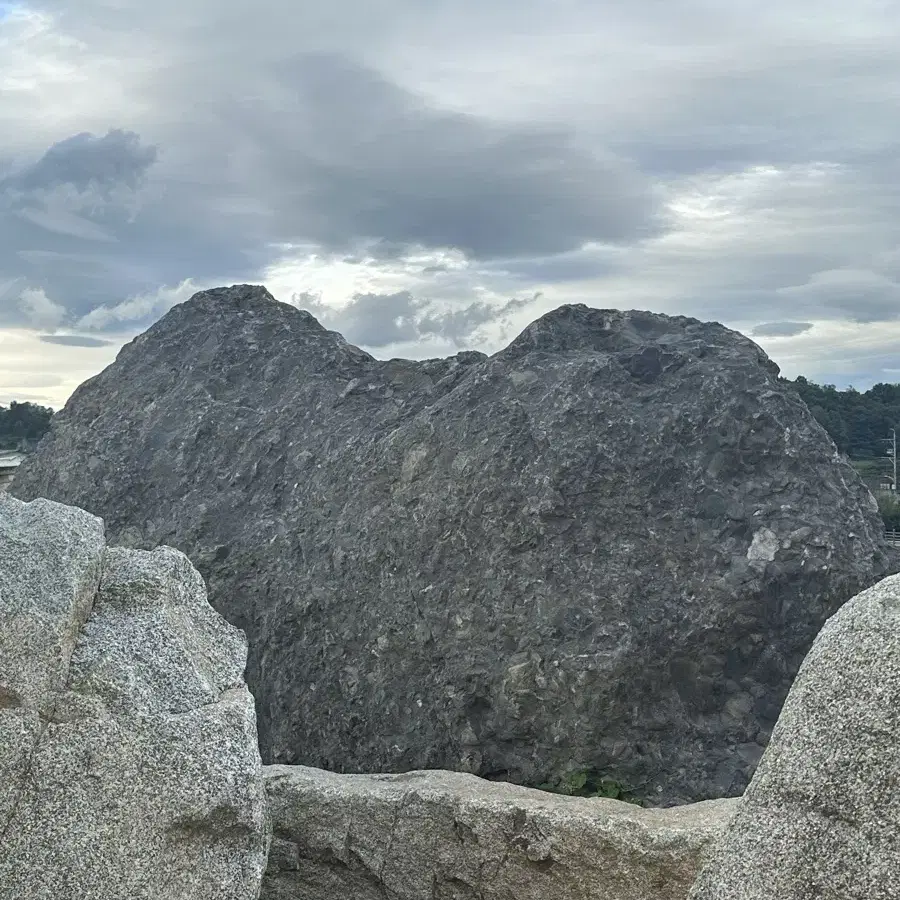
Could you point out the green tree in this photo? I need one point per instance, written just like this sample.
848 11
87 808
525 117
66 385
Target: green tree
858 422
889 507
23 423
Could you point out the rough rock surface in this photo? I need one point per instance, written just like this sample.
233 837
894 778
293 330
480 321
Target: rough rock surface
128 756
606 547
821 818
448 836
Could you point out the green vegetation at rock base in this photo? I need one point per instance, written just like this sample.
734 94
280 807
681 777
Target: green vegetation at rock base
591 783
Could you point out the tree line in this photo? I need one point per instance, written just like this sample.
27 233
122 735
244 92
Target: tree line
858 422
860 425
23 424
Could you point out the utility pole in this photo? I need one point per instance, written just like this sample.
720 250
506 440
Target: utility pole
892 453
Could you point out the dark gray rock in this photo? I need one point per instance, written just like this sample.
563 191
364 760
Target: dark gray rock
606 547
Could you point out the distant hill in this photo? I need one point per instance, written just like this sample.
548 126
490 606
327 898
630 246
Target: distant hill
857 422
23 424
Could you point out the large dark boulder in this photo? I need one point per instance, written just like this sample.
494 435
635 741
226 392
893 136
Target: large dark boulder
607 547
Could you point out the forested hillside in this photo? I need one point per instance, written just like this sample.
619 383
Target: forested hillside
858 422
23 423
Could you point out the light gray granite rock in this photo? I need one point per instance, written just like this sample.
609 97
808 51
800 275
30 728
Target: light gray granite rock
606 547
50 562
821 817
129 767
448 836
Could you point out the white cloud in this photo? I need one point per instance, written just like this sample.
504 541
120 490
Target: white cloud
62 222
41 312
137 308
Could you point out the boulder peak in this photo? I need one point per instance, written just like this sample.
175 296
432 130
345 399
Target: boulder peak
576 327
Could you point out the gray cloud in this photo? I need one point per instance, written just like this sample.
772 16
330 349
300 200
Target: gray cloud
382 320
81 191
723 161
858 294
781 329
461 325
352 156
38 381
374 320
325 152
74 340
87 163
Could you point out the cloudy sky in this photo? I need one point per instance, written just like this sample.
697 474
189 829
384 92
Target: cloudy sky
431 176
